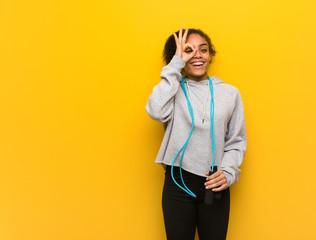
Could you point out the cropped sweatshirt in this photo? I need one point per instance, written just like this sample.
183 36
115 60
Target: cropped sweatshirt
167 104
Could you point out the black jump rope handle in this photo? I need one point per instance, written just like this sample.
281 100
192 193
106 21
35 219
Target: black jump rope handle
209 194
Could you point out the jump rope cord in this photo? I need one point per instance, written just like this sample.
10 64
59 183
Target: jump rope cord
212 122
183 148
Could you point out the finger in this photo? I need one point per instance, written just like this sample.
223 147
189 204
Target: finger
188 45
217 174
180 35
185 35
211 184
215 185
191 54
176 38
215 181
214 175
221 188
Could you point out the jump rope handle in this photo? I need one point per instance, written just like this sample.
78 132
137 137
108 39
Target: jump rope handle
209 194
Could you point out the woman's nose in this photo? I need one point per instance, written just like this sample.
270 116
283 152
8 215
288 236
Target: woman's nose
197 54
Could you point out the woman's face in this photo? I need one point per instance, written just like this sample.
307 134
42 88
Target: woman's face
196 67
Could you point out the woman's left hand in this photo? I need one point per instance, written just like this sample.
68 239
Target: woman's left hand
217 181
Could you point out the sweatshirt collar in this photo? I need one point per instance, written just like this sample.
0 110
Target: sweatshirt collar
204 82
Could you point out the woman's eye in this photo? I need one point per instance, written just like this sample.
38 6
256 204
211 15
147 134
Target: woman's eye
188 50
204 50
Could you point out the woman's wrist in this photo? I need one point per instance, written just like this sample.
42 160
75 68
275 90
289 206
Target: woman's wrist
177 63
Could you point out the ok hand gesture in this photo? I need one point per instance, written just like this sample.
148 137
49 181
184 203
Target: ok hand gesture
184 50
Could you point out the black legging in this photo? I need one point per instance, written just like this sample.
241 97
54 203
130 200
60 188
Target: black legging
184 213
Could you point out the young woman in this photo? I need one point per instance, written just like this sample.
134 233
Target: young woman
204 125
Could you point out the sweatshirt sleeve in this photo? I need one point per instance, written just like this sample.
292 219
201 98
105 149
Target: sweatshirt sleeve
160 102
235 143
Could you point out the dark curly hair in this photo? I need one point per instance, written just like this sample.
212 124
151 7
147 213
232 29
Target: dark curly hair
170 45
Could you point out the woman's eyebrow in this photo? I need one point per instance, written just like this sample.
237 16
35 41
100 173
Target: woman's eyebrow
203 44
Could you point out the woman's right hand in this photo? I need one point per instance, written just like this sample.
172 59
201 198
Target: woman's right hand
184 50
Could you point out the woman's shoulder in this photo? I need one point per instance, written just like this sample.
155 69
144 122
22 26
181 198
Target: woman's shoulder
224 87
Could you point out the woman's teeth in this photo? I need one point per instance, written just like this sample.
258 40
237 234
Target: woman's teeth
197 64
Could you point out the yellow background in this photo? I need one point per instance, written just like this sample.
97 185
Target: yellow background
77 148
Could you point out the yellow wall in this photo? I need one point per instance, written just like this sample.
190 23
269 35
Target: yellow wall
77 148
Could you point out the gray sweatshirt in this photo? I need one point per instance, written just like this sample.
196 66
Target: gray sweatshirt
167 104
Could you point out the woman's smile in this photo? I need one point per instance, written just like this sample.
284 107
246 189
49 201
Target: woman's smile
198 64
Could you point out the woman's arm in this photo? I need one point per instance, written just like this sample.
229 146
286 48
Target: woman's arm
235 143
160 102
234 150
